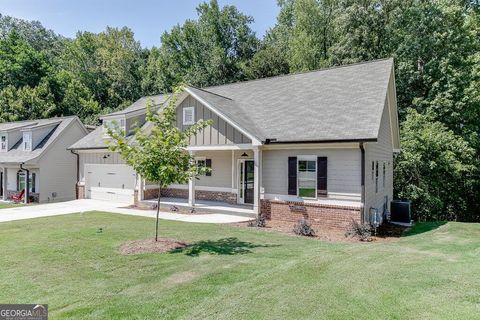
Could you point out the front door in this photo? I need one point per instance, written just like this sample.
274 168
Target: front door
245 181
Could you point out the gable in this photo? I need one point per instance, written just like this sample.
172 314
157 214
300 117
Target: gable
218 133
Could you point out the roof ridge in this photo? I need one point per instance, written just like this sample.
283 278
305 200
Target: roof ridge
297 73
216 94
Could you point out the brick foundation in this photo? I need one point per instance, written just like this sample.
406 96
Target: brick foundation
227 197
320 215
80 192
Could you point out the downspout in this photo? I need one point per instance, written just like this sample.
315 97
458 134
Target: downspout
27 177
78 172
362 151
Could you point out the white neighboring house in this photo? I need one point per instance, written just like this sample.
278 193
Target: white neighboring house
317 144
37 149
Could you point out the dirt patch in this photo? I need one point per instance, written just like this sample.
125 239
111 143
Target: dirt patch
389 233
150 246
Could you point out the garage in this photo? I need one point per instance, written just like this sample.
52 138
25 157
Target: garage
110 182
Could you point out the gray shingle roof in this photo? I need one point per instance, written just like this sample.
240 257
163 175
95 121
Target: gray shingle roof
16 153
336 104
93 140
340 103
141 104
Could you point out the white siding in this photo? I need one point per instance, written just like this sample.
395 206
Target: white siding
58 167
343 177
381 151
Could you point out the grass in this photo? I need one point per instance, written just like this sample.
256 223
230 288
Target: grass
236 273
4 205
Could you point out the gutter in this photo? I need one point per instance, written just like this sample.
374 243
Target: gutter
274 141
362 151
27 177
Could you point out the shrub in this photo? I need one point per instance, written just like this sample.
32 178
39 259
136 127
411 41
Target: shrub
359 230
304 228
259 222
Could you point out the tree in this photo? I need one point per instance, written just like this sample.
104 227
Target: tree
435 170
208 51
159 154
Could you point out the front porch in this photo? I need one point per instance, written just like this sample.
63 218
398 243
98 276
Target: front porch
233 184
202 206
13 182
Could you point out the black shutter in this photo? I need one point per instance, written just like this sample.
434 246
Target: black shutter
208 164
321 176
292 175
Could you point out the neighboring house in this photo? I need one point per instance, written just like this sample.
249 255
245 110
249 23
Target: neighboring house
37 149
318 143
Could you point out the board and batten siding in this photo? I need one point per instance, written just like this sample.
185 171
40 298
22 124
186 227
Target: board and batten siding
218 133
106 157
381 151
343 167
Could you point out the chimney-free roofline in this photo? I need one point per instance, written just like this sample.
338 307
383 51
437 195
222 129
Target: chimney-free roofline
274 141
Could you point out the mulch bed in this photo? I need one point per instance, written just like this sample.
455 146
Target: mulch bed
151 246
388 232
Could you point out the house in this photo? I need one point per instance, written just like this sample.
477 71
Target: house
37 149
317 143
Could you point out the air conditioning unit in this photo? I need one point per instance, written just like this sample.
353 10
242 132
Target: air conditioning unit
400 211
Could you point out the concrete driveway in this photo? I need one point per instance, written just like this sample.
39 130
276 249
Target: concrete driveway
84 205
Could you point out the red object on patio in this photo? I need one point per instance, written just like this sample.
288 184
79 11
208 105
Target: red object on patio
19 196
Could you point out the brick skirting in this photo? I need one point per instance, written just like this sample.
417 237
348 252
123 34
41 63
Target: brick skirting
80 191
320 215
227 197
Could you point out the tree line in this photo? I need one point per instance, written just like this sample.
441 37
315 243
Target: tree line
435 44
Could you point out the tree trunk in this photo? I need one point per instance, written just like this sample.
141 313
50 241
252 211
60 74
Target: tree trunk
158 211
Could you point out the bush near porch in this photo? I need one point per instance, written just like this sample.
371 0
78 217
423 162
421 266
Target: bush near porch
236 273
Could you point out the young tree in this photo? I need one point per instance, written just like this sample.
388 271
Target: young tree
158 151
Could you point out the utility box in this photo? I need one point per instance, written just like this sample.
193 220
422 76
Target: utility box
400 211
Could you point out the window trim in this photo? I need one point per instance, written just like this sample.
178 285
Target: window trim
27 143
307 158
191 122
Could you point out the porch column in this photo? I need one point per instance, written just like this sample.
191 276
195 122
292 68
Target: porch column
191 188
5 184
140 188
257 178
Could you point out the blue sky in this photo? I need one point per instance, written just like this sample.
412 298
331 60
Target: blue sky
147 18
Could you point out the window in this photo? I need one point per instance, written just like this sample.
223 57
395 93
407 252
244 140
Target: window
27 141
113 124
307 177
3 143
188 115
384 171
201 162
21 181
373 169
376 176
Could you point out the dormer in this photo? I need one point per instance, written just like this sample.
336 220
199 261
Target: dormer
11 135
33 136
125 122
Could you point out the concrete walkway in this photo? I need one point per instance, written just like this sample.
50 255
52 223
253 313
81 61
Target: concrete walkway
84 205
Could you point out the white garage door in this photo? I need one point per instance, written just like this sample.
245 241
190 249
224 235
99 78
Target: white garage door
111 182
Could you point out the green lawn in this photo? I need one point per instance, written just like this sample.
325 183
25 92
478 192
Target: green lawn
4 205
236 273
